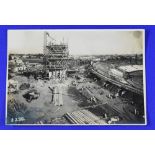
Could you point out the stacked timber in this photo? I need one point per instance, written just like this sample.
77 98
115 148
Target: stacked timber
84 117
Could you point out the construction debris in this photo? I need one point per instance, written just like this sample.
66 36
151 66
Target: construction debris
24 86
31 95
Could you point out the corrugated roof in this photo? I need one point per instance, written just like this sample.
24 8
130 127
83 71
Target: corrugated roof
131 68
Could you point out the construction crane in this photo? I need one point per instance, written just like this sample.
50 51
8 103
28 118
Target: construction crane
47 35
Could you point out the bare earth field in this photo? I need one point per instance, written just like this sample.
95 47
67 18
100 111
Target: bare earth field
43 111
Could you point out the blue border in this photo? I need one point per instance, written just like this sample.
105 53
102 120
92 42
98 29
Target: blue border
150 76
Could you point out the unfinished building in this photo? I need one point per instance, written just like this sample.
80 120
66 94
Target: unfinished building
56 57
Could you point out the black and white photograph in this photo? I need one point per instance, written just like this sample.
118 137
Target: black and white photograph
76 77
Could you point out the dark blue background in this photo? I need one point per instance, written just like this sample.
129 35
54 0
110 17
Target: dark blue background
150 76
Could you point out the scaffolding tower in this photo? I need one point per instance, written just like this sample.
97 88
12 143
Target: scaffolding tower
56 57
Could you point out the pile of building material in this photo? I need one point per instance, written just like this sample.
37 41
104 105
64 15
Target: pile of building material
90 91
24 86
84 117
31 95
87 92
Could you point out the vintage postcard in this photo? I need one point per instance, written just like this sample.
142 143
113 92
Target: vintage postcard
76 77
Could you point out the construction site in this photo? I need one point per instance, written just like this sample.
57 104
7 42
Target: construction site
56 88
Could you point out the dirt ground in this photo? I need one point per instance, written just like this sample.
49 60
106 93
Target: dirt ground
42 109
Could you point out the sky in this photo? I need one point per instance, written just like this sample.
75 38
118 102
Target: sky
80 42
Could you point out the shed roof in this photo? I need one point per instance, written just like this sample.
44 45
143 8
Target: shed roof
131 68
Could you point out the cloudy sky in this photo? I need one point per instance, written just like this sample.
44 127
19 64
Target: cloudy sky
80 42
